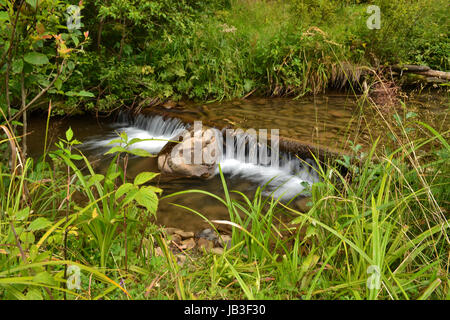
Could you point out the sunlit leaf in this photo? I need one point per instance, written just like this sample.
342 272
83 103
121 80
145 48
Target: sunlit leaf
38 224
147 198
143 177
36 58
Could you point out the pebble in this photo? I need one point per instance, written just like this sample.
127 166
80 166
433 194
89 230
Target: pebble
207 240
185 234
218 251
207 234
176 238
187 244
204 243
225 242
171 231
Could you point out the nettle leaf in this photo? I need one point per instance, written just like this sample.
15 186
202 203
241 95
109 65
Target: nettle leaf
38 224
134 140
143 177
23 214
125 188
141 153
36 58
131 195
69 134
116 149
147 198
115 141
155 189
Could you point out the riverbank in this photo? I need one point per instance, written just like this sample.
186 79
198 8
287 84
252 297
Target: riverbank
220 50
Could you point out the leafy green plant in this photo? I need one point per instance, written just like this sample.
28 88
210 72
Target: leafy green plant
108 204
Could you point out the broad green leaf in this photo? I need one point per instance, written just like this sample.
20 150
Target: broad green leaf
17 123
124 189
76 156
23 214
36 58
155 189
141 153
398 119
116 149
134 140
143 177
83 93
115 141
69 134
147 198
38 224
131 195
58 83
75 39
27 237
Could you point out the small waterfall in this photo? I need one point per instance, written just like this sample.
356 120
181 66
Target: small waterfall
154 129
283 175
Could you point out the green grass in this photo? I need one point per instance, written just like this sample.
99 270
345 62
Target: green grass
269 48
378 232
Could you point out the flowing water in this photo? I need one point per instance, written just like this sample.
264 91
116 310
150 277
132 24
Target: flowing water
328 120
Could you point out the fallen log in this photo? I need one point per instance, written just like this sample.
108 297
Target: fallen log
422 70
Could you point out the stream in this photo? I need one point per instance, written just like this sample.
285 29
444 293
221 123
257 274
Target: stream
330 120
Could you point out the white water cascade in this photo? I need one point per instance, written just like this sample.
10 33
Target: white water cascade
155 130
283 175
